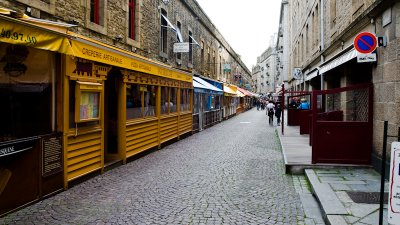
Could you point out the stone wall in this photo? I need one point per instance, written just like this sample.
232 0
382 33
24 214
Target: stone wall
147 42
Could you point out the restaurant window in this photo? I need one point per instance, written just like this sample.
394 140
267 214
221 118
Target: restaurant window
196 105
97 12
140 101
26 92
185 100
168 100
164 27
132 20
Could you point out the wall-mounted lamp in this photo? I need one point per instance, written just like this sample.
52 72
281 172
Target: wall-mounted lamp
118 38
165 1
74 22
220 49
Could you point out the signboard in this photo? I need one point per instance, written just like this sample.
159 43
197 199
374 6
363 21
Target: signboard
297 74
16 146
52 157
181 47
366 57
365 42
227 67
394 185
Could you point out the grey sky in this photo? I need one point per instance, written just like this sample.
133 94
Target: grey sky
246 25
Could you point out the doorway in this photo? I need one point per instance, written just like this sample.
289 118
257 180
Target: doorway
111 92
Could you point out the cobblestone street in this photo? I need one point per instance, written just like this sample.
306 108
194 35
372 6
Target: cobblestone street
231 173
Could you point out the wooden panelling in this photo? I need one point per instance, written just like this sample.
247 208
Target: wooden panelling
141 136
168 128
83 154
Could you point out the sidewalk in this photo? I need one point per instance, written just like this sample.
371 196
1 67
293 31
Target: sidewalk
347 194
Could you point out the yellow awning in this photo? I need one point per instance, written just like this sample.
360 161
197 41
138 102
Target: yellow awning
90 49
229 90
15 31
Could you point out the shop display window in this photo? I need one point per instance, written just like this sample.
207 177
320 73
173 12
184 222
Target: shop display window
26 92
140 101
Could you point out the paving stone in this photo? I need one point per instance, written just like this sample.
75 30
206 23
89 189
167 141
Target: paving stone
212 177
336 220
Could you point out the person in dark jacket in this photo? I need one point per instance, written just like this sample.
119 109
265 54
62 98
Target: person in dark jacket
278 113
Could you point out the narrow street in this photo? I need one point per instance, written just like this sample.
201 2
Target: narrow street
231 173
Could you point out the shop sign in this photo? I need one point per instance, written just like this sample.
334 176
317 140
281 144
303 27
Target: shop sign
23 35
120 59
394 185
17 146
181 47
227 67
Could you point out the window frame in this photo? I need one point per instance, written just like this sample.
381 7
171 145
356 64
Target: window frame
132 19
163 34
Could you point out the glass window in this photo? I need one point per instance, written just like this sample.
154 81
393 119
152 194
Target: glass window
150 101
133 101
164 100
173 99
131 21
196 103
169 98
163 32
25 92
140 101
185 100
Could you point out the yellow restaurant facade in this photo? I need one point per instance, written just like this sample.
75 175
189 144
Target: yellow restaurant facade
104 104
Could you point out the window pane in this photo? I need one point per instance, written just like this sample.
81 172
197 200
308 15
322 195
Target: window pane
185 101
25 95
173 99
150 101
133 102
196 103
164 100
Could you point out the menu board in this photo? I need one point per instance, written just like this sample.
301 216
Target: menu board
52 161
89 105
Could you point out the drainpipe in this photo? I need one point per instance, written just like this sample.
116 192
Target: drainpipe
322 40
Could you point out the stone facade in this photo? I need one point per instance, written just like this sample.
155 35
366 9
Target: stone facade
334 27
113 30
265 71
283 44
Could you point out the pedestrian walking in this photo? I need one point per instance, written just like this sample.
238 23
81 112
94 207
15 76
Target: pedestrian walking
258 103
270 113
278 113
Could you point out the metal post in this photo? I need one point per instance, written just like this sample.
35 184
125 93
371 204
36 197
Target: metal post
385 128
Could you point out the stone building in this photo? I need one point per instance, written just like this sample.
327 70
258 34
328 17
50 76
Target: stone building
138 26
283 45
322 33
265 71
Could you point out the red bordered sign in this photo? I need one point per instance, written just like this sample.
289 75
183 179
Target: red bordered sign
365 42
